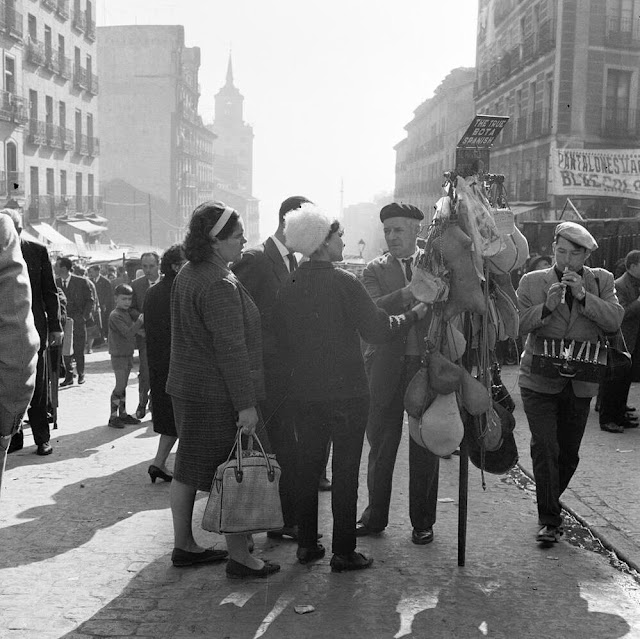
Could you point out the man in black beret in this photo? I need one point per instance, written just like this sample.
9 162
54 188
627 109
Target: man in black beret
390 367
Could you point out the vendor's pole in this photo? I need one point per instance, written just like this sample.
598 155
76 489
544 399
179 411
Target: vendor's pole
463 492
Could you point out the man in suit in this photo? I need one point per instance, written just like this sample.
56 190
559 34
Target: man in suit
614 394
19 340
45 306
80 302
105 296
150 263
390 368
262 270
568 301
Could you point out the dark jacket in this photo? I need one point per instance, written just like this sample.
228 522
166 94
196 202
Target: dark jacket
44 292
262 272
628 291
80 299
157 324
216 338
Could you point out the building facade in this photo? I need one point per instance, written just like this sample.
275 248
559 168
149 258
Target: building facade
566 72
234 156
157 156
51 86
432 135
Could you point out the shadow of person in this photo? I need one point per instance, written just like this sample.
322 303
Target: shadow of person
78 512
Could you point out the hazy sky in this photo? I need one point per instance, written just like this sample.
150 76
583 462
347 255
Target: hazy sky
328 85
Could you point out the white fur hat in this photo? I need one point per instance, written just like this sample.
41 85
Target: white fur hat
306 229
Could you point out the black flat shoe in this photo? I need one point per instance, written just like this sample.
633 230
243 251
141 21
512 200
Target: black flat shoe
44 449
362 530
305 555
182 558
352 561
236 570
422 537
155 472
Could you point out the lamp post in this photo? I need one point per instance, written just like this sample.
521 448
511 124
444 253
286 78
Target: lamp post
361 245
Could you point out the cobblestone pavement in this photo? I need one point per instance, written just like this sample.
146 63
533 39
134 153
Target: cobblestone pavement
86 542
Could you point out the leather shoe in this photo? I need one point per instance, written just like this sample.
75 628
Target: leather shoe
352 561
141 411
236 570
362 530
182 558
629 423
612 427
80 378
44 449
422 537
305 555
630 409
68 381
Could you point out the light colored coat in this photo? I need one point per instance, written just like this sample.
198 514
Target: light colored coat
600 313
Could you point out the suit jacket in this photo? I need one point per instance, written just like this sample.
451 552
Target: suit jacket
105 294
80 298
45 302
140 287
383 278
19 338
628 291
216 338
600 313
262 272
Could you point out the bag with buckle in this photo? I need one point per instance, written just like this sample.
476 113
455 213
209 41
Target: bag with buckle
244 495
618 357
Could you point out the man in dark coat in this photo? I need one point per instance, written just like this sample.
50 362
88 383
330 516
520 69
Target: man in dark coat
614 394
150 263
105 296
80 302
262 270
45 307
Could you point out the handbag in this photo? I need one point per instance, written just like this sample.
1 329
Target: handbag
244 495
618 357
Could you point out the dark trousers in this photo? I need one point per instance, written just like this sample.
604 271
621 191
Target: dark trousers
613 400
557 424
276 412
384 431
343 422
79 343
38 408
143 374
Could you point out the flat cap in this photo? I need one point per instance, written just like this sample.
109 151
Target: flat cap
577 234
400 210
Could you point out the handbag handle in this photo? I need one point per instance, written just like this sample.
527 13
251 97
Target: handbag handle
237 448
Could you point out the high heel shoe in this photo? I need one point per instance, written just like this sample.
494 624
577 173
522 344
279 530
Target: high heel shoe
155 472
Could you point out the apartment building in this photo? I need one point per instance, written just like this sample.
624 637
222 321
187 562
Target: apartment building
59 146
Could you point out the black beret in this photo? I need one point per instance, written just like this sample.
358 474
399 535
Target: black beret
292 203
401 210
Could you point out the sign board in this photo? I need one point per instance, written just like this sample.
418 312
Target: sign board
472 152
596 172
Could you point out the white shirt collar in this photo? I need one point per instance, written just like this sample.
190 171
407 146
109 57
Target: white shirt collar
284 251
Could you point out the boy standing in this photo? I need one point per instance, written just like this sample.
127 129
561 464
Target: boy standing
122 342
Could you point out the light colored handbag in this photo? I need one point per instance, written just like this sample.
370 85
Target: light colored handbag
244 495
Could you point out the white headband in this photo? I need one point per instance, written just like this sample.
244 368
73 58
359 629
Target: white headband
222 220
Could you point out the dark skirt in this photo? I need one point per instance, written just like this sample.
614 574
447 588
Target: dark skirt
161 404
206 434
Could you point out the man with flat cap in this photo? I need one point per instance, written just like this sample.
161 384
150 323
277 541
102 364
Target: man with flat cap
390 367
574 302
262 270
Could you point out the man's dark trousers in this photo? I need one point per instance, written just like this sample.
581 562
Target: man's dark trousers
384 431
79 343
557 424
38 408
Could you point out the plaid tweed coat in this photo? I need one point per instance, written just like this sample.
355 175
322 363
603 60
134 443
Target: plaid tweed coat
216 342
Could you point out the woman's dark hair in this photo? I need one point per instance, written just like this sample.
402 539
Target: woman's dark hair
173 255
334 228
197 244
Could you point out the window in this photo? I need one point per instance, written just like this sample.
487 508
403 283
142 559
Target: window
620 14
33 104
617 100
79 192
89 125
48 44
77 58
32 27
90 192
62 115
78 128
89 66
48 105
51 189
63 183
34 182
9 74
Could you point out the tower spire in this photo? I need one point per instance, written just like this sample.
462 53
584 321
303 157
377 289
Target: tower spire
229 72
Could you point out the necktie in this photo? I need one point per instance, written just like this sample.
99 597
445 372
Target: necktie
407 268
64 285
293 263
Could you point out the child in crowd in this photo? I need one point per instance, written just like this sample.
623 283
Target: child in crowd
122 342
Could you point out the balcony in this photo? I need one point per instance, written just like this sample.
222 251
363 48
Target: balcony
50 4
55 136
35 52
79 21
621 123
92 81
622 33
12 108
540 123
52 61
84 204
82 144
36 132
91 29
188 147
93 146
10 20
189 180
80 77
68 139
41 207
64 66
62 9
